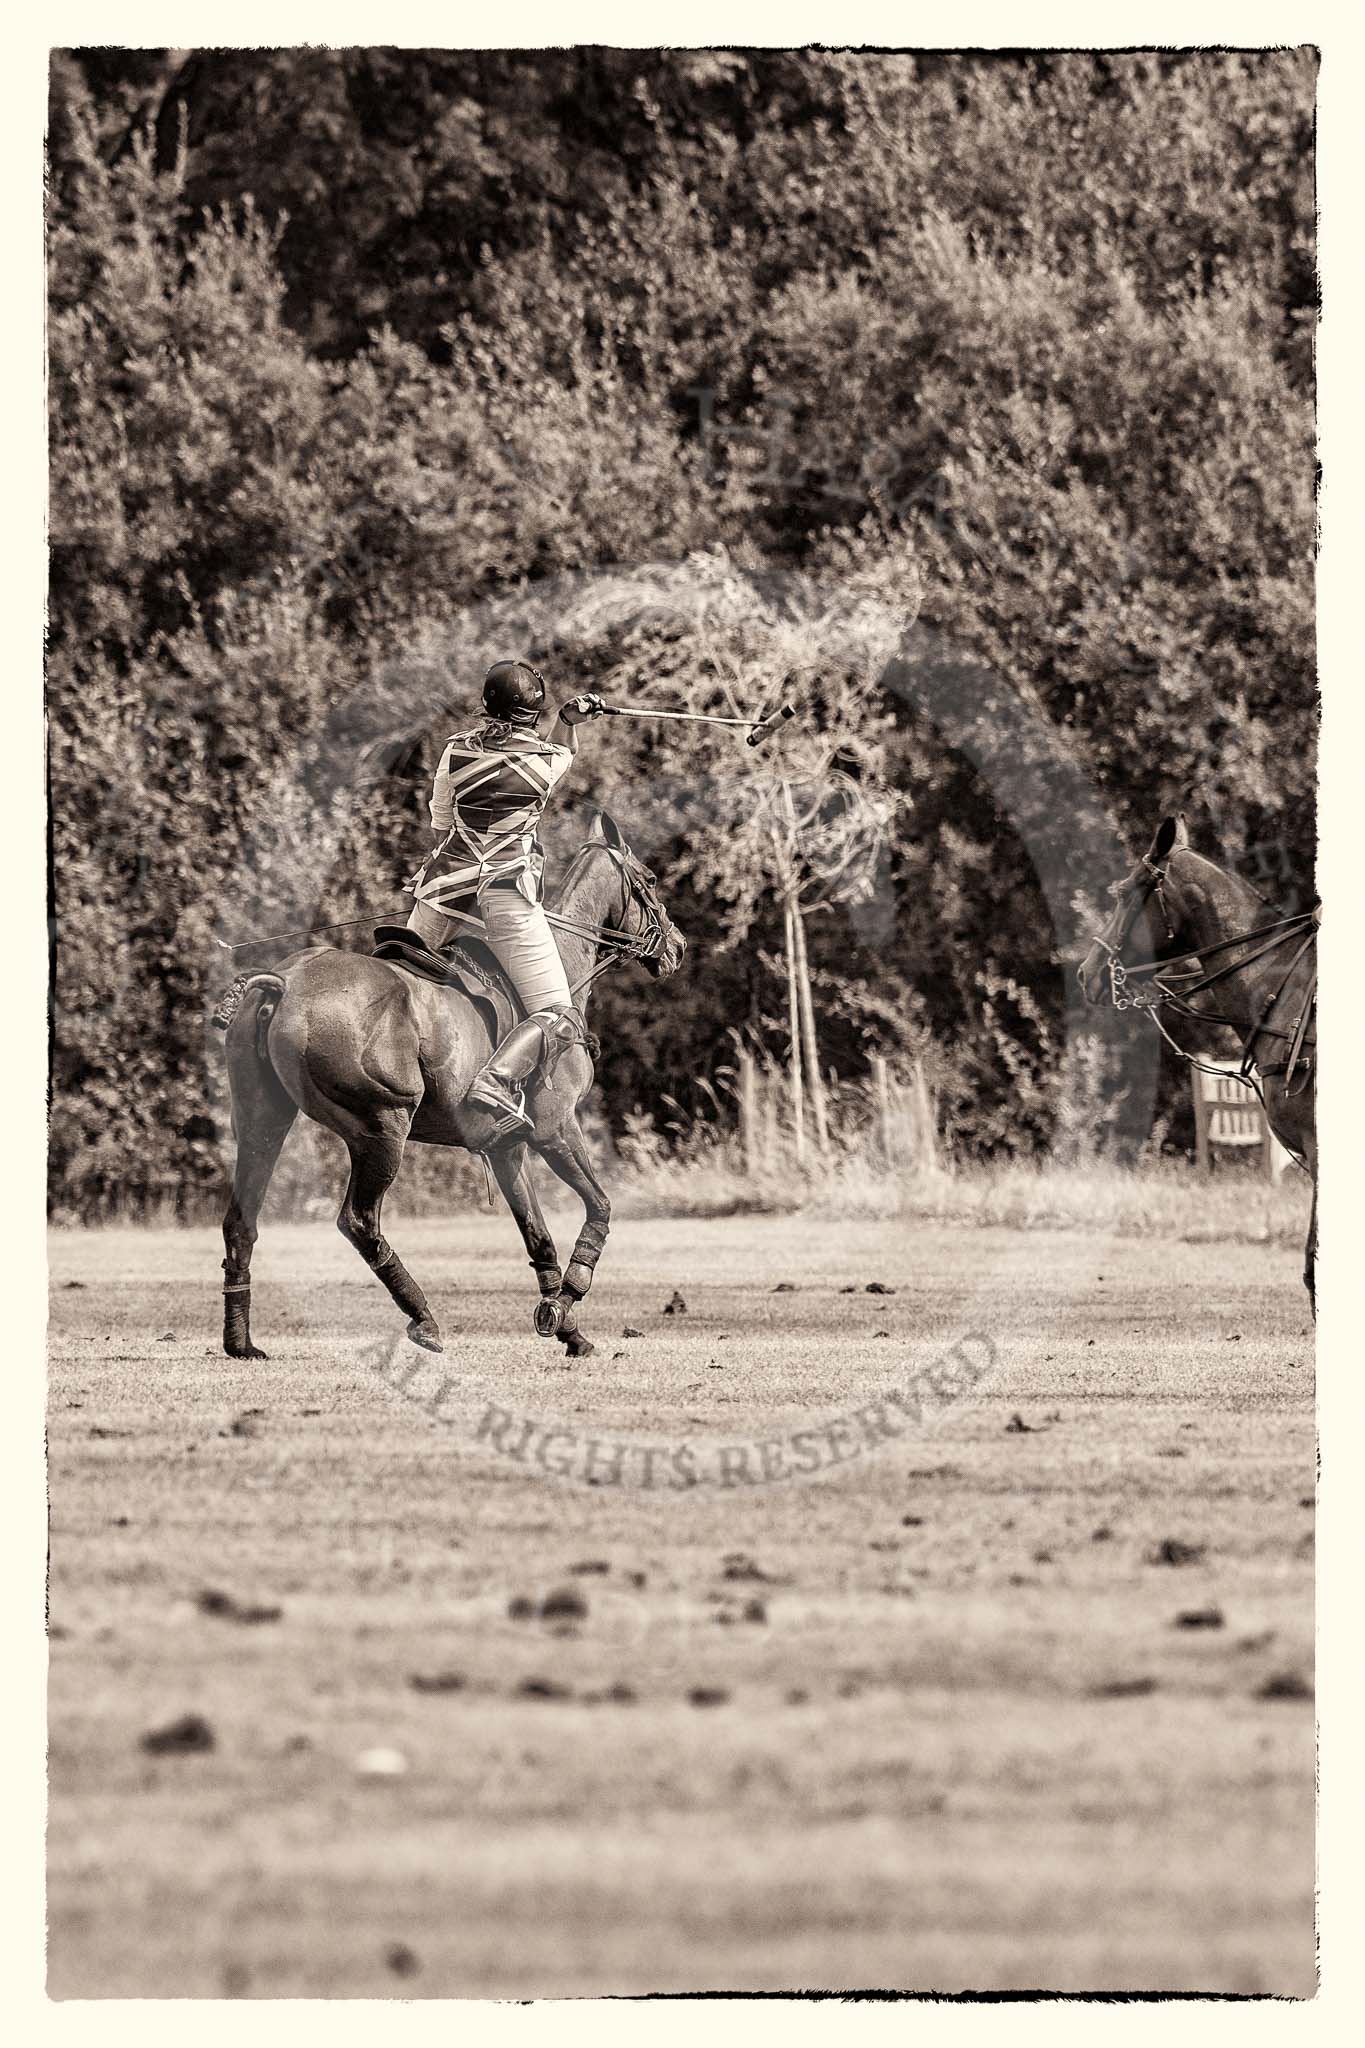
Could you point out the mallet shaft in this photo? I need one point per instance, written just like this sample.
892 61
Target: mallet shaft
691 717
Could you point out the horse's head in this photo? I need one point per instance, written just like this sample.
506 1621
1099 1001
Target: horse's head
632 905
1143 906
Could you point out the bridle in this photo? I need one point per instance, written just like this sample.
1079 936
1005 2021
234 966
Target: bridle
645 943
1150 986
1135 896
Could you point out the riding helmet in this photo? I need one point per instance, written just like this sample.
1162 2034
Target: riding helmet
514 691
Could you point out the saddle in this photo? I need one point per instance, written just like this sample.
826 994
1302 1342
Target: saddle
469 965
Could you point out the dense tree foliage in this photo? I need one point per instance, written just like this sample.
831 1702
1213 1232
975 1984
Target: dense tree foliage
353 353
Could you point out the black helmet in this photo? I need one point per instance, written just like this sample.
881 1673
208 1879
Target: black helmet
514 691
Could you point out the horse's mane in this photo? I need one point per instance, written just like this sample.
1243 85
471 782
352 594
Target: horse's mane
1225 874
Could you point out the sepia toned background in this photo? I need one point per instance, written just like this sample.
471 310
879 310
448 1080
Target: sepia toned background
346 344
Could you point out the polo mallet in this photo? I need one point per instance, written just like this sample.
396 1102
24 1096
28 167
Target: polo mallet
756 732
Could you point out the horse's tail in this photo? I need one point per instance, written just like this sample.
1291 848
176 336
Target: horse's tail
272 987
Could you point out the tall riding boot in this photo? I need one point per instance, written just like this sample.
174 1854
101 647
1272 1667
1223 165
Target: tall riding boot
498 1086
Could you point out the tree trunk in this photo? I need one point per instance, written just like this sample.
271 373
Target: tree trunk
882 1090
926 1131
748 1112
808 1039
794 1020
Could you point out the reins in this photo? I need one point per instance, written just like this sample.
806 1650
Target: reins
620 943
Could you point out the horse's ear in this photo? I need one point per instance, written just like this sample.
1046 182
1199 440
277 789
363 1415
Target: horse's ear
604 826
1171 832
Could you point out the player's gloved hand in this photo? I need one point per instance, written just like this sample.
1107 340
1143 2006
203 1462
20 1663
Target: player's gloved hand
589 705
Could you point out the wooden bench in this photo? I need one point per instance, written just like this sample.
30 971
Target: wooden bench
1228 1118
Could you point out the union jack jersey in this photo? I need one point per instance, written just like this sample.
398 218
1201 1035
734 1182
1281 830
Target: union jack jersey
491 790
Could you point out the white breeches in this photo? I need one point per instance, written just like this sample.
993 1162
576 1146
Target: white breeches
519 935
431 928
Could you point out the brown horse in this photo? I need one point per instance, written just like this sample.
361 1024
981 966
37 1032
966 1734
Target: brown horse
1263 970
380 1057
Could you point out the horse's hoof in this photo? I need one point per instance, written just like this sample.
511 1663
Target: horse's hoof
578 1346
549 1317
244 1351
427 1335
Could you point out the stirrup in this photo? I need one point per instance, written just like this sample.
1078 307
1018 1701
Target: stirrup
490 1093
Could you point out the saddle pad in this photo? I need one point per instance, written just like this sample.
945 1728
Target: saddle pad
469 966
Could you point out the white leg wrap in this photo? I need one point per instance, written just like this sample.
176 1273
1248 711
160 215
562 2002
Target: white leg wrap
520 937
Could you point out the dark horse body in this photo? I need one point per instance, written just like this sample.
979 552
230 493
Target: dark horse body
1255 974
381 1057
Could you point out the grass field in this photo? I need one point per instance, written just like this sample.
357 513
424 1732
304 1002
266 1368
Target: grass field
1021 1699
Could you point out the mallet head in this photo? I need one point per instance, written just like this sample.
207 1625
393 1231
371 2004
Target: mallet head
769 724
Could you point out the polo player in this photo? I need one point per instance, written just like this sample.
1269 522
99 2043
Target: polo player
491 790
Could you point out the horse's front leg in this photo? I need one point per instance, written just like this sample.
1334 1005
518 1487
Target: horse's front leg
567 1156
1293 1119
511 1169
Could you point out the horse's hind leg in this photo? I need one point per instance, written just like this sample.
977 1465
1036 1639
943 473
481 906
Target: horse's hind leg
1310 1255
262 1115
375 1160
510 1164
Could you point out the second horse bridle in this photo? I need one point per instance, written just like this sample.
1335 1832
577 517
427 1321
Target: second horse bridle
1146 985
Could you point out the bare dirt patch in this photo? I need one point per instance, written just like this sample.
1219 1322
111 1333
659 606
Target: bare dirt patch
967 1747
